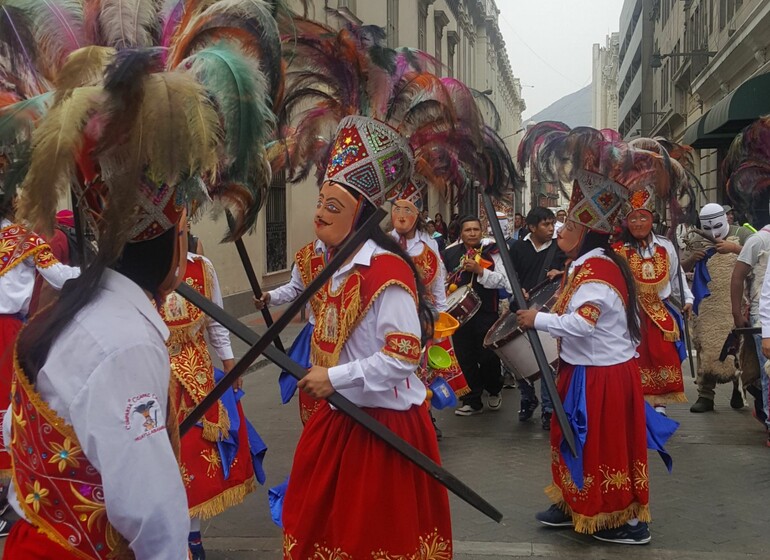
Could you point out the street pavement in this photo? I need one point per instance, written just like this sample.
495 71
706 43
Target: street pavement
712 507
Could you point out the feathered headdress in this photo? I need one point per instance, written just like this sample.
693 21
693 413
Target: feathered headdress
170 103
747 170
335 74
602 171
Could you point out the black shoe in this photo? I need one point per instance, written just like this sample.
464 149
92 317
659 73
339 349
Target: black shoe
5 527
527 409
736 400
197 552
625 534
545 420
554 517
702 405
439 434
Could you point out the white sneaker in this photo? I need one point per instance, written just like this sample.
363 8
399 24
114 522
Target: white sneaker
468 410
494 402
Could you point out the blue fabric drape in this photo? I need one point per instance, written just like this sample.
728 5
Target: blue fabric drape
577 415
275 498
228 447
659 429
300 353
701 279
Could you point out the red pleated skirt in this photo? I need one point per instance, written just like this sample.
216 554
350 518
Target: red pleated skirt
10 325
616 484
25 542
352 496
659 365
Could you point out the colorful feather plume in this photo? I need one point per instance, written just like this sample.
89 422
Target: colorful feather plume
747 172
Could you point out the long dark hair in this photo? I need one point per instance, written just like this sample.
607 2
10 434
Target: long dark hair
146 263
389 244
595 240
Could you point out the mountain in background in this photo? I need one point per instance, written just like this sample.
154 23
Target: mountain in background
573 109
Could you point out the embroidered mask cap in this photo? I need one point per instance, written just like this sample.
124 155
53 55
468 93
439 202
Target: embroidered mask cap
596 201
370 157
640 199
412 194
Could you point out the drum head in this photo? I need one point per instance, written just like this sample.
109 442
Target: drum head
457 296
543 292
502 331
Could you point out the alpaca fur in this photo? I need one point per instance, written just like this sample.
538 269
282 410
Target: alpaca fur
714 321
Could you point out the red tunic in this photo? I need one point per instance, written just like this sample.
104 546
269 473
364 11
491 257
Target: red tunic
615 476
350 495
659 362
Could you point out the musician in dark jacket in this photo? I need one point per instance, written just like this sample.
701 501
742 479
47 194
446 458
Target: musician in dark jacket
478 264
536 258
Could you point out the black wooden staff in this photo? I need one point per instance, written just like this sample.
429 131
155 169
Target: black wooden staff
346 250
685 320
252 277
534 339
443 476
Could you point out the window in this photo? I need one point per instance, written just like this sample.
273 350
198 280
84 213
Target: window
392 24
422 26
451 45
275 225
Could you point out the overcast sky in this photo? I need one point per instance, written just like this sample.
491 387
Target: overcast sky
549 44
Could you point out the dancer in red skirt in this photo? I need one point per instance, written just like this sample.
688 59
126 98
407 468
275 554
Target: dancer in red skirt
655 265
349 495
219 456
605 490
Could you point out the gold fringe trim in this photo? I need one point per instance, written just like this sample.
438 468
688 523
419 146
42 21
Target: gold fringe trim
217 431
6 474
589 525
227 499
463 392
666 398
672 336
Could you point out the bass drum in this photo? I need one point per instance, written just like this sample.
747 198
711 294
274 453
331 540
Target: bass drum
511 344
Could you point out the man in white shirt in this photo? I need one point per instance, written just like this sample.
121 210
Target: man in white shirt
750 271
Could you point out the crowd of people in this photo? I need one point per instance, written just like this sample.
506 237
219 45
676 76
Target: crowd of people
145 126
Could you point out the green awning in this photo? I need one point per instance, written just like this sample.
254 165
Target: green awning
740 107
720 124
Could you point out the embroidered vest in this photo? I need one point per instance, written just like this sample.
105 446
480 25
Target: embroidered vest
596 269
191 364
427 265
651 276
60 492
310 265
339 311
17 244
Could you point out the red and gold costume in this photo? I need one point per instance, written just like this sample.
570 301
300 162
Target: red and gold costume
350 496
17 244
59 491
209 493
615 479
659 361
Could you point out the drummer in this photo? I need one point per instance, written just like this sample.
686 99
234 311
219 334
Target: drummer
537 258
478 264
